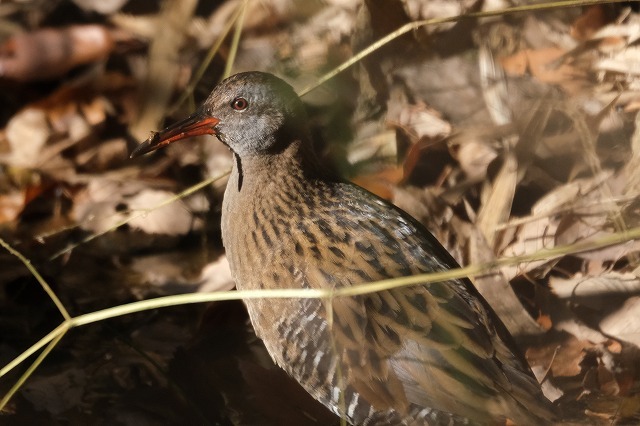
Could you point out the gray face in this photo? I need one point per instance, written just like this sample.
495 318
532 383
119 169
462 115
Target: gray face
258 113
254 113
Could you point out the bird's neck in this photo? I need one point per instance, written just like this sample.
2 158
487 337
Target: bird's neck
256 175
262 191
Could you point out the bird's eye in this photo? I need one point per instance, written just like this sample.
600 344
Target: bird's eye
239 104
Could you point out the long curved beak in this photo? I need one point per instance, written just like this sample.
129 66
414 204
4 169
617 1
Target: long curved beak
196 124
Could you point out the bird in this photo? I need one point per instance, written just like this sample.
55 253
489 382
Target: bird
429 354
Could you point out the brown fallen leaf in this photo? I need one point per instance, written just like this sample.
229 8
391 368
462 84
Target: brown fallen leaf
563 359
548 66
593 18
49 53
382 182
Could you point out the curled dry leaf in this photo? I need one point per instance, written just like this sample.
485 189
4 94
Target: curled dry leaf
104 204
530 237
216 276
421 122
565 215
563 358
626 33
565 197
564 320
494 87
103 156
624 323
49 53
474 157
38 134
170 219
261 17
591 291
312 45
182 271
321 39
612 294
27 133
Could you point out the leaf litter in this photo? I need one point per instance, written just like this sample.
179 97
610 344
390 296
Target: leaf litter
505 136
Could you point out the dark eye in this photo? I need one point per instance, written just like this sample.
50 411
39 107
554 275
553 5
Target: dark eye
239 104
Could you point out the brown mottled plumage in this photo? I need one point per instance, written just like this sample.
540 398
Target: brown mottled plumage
431 354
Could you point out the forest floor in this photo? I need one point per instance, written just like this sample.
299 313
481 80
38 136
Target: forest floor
512 134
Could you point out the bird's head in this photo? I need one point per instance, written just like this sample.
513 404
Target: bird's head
253 113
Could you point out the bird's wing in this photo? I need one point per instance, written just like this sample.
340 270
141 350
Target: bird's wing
432 345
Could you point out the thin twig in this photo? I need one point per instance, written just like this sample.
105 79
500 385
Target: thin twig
207 60
235 42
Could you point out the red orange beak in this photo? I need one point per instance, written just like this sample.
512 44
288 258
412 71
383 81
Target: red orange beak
194 125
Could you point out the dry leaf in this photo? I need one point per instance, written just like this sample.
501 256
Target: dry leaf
497 290
382 182
563 359
531 237
592 290
104 204
592 19
49 53
625 61
11 205
216 276
27 133
548 66
474 157
106 7
419 121
624 323
580 228
380 145
497 199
